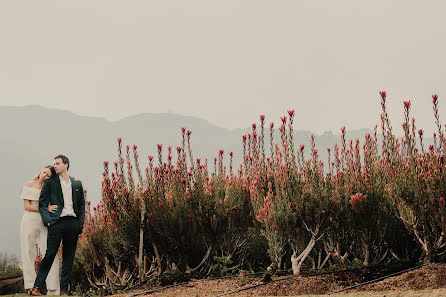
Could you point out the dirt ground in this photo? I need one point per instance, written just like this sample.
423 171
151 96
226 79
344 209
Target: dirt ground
431 278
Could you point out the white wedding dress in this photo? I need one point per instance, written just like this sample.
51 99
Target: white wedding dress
32 232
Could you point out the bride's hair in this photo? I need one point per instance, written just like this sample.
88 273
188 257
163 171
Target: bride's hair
50 167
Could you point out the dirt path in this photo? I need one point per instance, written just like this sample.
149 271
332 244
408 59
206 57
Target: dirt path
431 278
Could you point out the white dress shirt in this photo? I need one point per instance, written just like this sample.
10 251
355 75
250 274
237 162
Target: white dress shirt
67 198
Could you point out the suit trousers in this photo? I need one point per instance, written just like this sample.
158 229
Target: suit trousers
33 231
65 230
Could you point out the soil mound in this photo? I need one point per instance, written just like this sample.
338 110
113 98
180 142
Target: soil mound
428 277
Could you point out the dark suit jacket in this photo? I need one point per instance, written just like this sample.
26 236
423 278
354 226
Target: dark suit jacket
52 193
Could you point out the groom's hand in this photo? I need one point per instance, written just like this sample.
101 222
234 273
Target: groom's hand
52 208
79 229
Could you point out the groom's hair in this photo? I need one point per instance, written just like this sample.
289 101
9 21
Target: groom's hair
64 160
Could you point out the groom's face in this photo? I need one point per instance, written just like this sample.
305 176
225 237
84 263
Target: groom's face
59 166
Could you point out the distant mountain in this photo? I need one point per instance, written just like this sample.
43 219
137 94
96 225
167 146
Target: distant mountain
32 135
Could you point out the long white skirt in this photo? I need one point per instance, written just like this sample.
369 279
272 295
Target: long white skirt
33 231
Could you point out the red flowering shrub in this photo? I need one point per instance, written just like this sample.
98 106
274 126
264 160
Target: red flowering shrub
179 215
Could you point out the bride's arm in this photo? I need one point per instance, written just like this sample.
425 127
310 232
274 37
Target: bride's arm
30 207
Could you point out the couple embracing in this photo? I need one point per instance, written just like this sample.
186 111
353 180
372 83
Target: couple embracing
59 199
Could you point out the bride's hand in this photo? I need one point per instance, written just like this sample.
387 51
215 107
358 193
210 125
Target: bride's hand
52 208
76 179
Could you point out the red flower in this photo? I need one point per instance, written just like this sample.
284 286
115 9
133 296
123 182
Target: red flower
105 163
189 132
254 125
150 158
434 98
178 149
271 125
420 132
135 146
262 117
383 94
291 113
356 201
230 154
407 104
119 140
160 146
442 202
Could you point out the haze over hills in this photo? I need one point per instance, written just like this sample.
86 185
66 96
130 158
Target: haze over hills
32 135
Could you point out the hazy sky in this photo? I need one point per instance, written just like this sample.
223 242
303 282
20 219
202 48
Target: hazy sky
226 61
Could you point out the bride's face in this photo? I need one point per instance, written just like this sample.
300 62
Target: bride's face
45 174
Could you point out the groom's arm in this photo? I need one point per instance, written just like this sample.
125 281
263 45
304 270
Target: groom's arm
44 200
81 209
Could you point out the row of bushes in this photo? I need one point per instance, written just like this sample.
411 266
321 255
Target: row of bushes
374 200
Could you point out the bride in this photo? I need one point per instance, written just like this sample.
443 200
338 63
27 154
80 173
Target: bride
32 231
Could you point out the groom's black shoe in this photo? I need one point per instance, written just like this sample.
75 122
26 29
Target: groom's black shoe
35 292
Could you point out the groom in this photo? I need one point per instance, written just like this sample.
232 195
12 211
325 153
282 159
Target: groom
65 224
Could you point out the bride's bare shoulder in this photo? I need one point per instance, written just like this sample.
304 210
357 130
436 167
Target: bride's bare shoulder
29 183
